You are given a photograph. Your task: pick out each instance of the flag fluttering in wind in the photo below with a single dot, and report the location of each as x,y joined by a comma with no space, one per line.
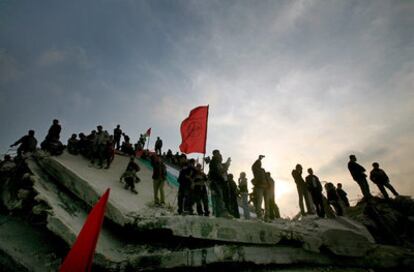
80,257
194,131
148,133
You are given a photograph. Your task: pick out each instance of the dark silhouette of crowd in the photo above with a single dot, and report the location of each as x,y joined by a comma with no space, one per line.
226,195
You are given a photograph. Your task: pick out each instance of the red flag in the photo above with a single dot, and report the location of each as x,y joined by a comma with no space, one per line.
80,257
148,133
194,131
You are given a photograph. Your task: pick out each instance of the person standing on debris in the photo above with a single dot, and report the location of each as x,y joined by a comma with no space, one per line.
333,198
260,187
99,146
270,196
159,175
51,142
27,143
303,192
73,145
130,175
315,188
117,137
218,179
109,153
233,206
54,131
358,174
244,194
342,195
185,179
380,178
199,190
158,146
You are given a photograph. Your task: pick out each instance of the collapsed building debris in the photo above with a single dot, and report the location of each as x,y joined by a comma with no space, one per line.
136,236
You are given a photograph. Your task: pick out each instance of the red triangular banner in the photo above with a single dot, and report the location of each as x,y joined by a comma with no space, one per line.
194,131
80,257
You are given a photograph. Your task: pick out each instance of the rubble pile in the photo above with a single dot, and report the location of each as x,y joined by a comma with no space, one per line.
45,200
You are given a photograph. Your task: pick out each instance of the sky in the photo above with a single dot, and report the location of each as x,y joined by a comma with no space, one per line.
305,81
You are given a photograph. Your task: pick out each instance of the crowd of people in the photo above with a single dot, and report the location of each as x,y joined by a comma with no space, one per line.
195,186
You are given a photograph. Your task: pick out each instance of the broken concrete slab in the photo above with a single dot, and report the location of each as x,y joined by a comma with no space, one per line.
350,239
277,255
88,183
66,216
26,248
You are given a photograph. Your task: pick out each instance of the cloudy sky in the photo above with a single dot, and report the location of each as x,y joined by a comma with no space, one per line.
305,82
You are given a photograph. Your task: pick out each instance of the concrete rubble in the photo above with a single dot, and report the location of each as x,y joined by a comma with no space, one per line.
137,236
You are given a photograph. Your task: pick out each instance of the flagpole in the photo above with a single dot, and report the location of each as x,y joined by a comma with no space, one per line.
149,138
205,137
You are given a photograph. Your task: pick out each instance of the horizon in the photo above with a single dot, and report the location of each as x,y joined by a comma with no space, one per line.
304,82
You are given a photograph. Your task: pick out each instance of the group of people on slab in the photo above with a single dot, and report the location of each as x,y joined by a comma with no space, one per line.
195,186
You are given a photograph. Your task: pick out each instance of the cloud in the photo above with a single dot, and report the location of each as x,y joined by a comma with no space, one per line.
75,55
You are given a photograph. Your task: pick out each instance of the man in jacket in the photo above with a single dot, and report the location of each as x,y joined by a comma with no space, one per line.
27,143
358,174
303,192
260,187
158,146
185,180
380,178
159,176
117,137
218,177
315,188
342,194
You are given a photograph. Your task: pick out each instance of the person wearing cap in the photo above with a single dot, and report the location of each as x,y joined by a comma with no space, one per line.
380,178
358,174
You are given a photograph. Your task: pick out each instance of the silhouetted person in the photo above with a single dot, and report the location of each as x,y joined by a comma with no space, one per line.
185,180
233,206
54,131
199,191
130,176
358,174
142,140
51,142
109,153
126,146
27,143
302,190
158,146
260,186
315,188
159,175
99,146
244,194
117,137
218,177
380,178
73,145
333,198
342,195
270,196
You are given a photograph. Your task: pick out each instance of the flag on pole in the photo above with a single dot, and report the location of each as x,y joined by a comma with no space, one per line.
80,257
148,133
194,131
